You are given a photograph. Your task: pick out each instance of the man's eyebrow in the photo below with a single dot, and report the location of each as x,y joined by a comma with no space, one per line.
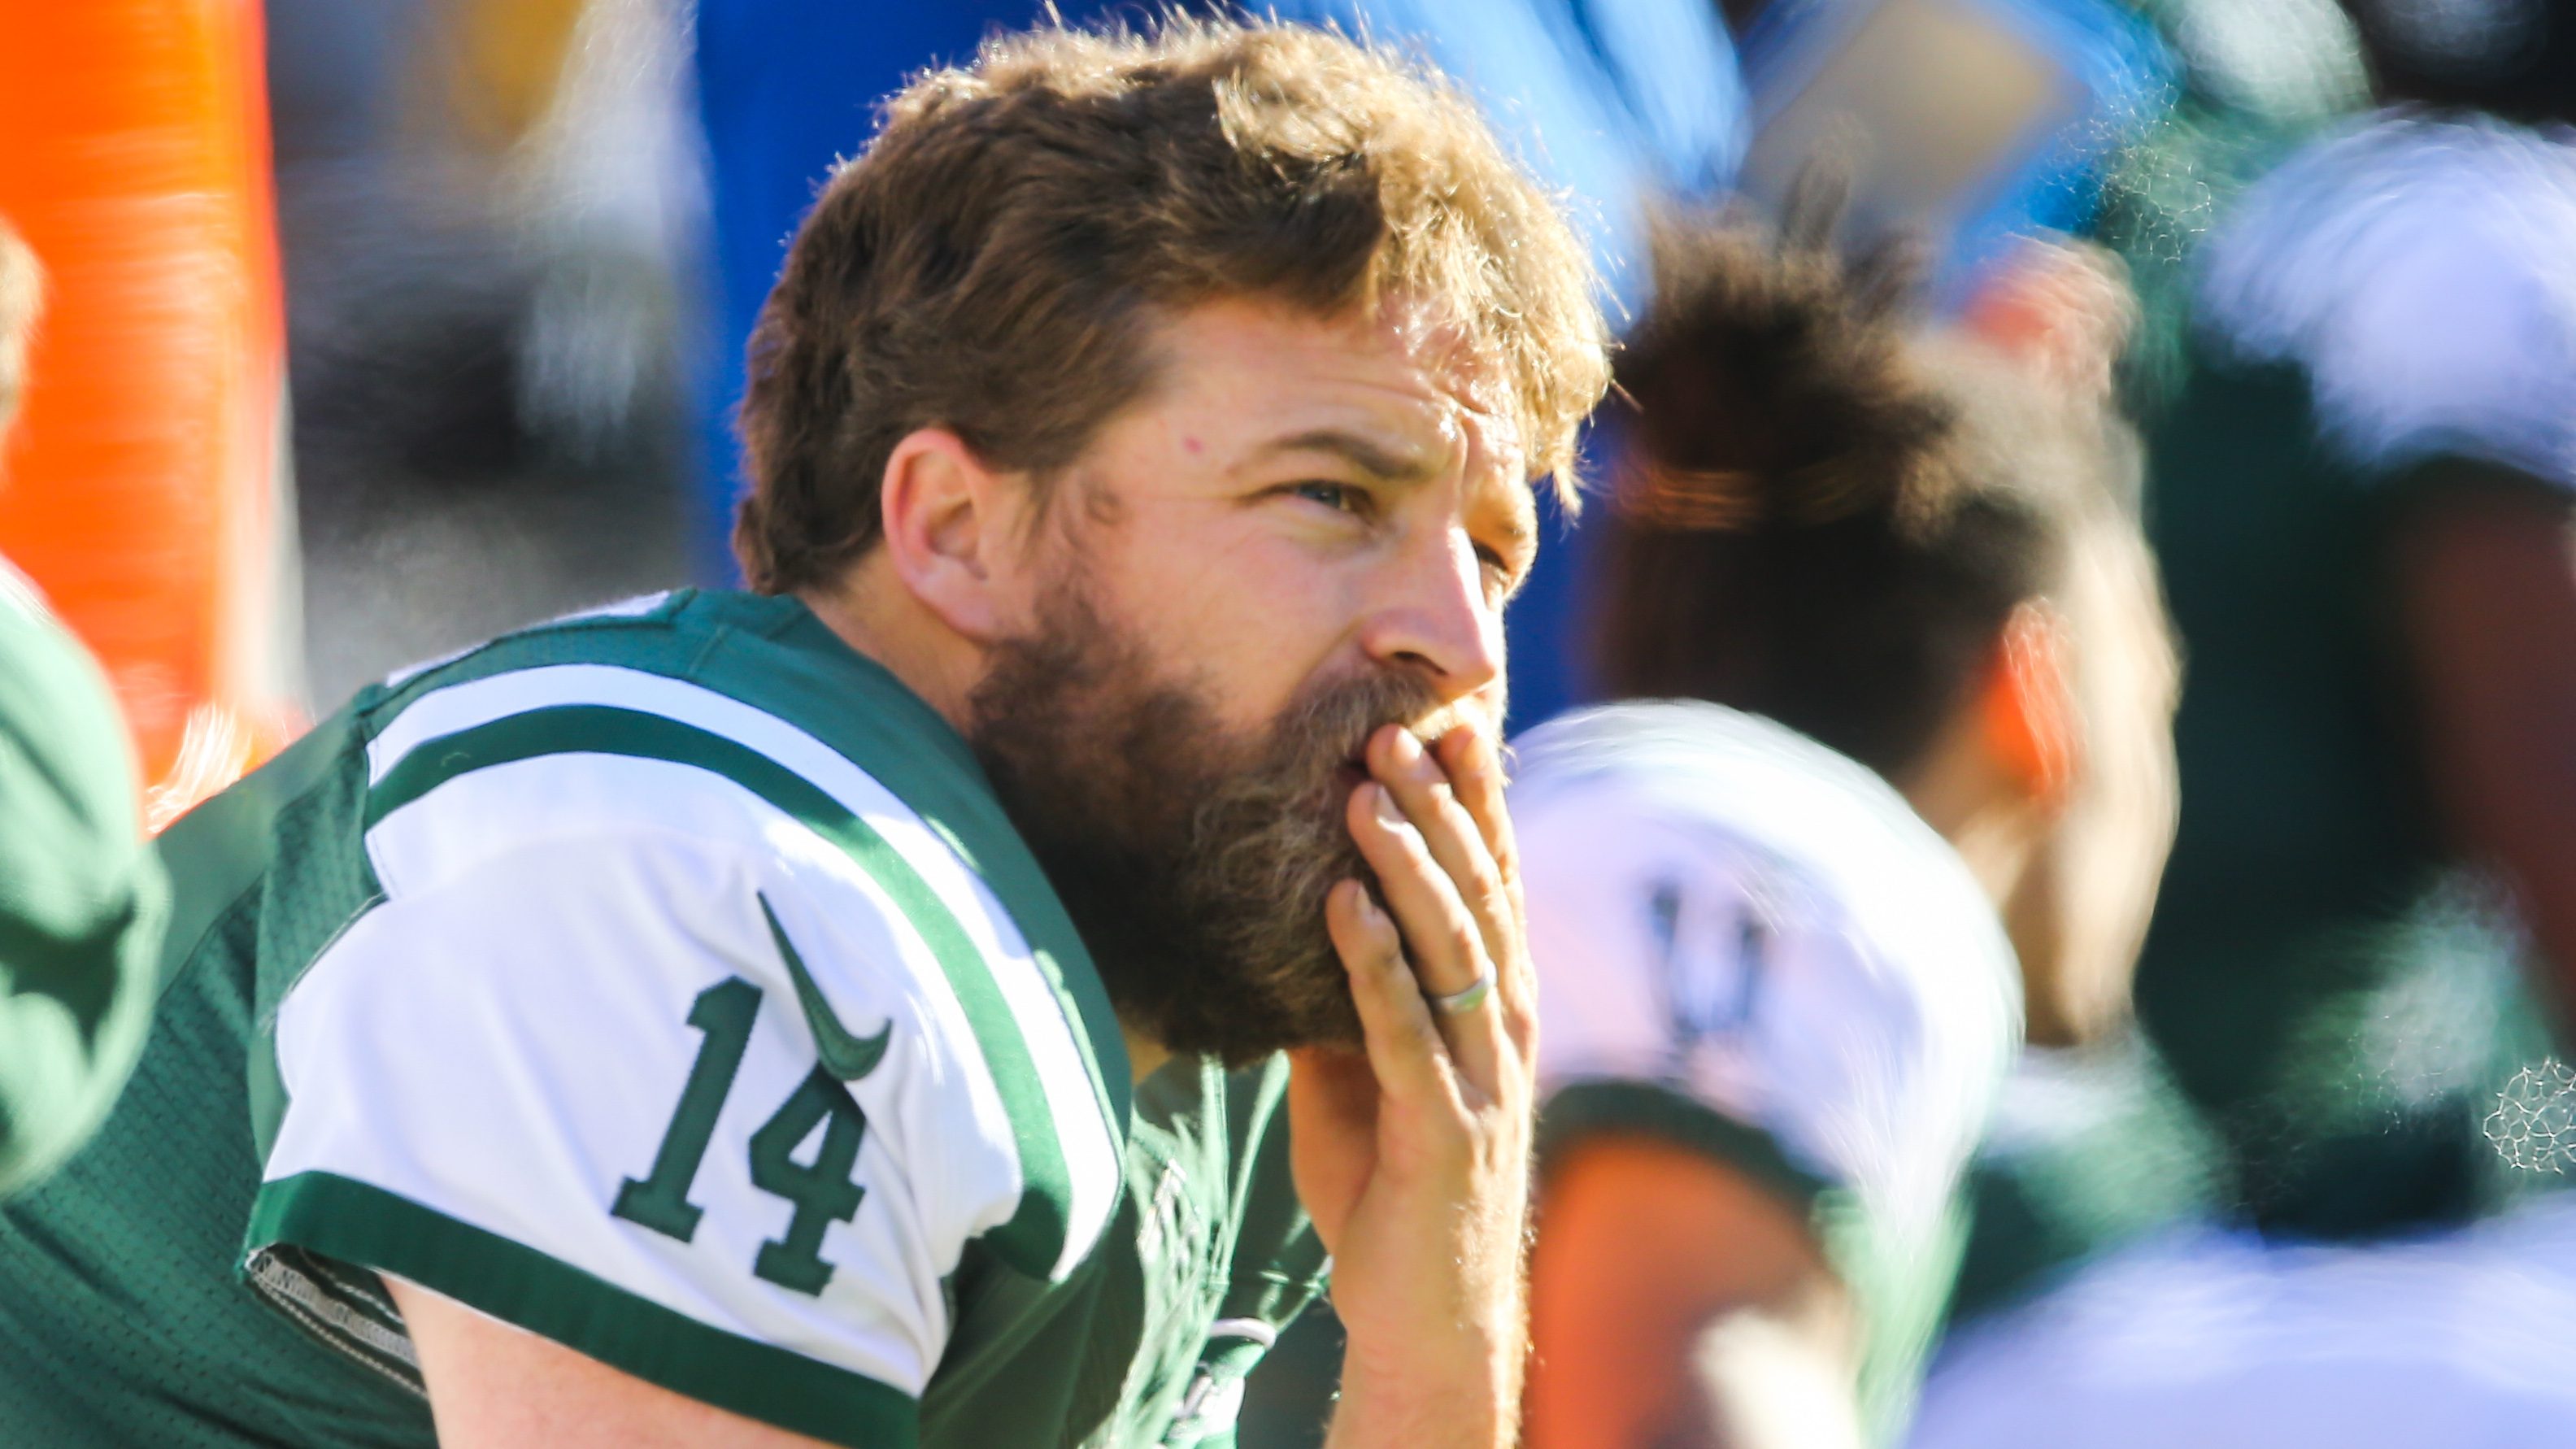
1379,461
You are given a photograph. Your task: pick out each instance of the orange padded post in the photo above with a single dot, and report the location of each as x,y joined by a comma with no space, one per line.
142,488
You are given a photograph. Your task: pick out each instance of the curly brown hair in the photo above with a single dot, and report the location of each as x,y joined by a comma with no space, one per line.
994,261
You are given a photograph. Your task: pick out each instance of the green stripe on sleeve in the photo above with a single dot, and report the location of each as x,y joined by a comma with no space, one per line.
1631,1107
353,1222
775,656
1033,1240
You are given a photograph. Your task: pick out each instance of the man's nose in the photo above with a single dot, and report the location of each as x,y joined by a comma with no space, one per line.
1432,619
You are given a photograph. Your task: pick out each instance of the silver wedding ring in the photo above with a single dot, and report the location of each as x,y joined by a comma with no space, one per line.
1459,1003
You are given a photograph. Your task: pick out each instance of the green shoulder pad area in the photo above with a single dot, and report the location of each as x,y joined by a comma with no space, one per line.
772,653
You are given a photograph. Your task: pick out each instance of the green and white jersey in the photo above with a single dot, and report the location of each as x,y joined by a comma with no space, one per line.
666,982
81,898
1750,945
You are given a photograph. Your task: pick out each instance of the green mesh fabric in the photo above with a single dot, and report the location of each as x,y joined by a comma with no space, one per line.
123,1320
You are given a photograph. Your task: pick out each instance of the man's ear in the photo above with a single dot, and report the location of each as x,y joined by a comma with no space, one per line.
945,531
2027,714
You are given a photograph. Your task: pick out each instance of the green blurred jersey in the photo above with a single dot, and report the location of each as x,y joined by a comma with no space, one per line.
82,902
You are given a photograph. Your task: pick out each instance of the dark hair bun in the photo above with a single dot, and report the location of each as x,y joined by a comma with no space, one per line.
1824,512
1771,385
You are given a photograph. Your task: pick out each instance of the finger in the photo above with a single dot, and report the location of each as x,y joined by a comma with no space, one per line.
1456,842
1474,765
1438,936
1403,1043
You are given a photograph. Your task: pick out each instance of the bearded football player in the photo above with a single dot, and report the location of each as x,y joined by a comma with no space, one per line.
871,1009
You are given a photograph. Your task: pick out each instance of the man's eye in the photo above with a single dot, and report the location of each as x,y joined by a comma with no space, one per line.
1340,497
1498,573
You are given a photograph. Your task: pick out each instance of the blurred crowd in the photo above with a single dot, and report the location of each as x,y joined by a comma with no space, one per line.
2047,764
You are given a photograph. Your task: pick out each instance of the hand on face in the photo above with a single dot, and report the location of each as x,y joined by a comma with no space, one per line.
1414,1157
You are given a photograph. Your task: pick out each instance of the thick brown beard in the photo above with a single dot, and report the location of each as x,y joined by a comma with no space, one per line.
1194,861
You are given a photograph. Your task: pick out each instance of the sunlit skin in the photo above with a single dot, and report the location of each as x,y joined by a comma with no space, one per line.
1299,500
1311,502
1623,1293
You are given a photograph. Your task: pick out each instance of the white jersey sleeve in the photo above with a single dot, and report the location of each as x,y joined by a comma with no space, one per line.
1841,1011
1750,945
1682,961
2416,268
705,1111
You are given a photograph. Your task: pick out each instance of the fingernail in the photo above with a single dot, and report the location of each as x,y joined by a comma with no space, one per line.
1407,749
1369,914
1469,746
1389,814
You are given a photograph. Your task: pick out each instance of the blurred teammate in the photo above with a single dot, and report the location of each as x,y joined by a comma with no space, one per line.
2362,494
806,1016
82,902
1899,694
2363,500
2221,1340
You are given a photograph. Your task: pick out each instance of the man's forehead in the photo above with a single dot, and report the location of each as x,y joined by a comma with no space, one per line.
1399,362
1487,414
1395,394
1431,340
